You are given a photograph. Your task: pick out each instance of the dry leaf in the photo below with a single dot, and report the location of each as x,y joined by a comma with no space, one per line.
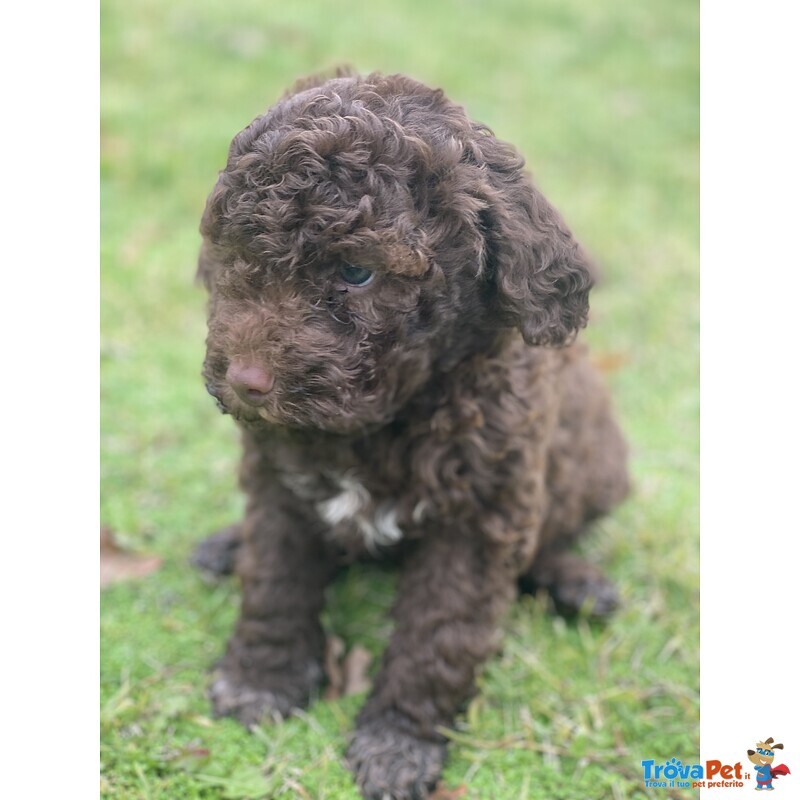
347,674
334,649
355,667
117,564
443,793
190,758
609,363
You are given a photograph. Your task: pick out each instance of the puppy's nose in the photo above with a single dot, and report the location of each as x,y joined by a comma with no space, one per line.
250,382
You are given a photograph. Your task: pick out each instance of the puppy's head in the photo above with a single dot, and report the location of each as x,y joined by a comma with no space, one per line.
364,237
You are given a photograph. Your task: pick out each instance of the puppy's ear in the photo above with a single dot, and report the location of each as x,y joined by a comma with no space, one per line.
207,264
541,275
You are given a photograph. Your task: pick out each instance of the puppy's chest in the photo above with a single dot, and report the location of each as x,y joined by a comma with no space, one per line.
352,506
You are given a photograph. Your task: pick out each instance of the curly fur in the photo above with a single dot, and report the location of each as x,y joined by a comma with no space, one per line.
441,414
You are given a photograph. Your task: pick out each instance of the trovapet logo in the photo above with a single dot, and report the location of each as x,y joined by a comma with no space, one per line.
674,774
715,773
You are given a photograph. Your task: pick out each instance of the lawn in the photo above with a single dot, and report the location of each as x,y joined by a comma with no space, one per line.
602,98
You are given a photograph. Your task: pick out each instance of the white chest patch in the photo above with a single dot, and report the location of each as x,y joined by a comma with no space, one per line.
378,525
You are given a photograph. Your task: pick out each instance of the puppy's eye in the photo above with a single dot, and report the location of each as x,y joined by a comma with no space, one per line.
355,276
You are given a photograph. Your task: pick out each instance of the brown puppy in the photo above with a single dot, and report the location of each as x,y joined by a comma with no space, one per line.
391,309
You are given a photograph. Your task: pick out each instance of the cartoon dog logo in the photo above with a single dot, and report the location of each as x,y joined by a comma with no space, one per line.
762,757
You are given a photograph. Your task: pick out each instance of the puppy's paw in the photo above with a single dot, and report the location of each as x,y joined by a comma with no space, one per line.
264,701
575,585
597,597
216,555
391,764
246,703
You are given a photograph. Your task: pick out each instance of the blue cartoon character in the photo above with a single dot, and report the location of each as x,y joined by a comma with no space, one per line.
762,757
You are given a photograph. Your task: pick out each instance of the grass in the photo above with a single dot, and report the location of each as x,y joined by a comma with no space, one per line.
603,100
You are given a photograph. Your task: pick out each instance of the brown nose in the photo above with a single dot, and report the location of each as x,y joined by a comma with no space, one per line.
251,383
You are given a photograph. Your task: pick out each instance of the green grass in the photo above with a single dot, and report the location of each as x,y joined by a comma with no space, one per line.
603,100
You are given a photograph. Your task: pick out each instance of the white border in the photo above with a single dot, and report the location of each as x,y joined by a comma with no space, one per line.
750,398
49,404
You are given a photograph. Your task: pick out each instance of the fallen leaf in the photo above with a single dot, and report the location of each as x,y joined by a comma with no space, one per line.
334,650
347,673
443,793
609,363
190,758
355,667
117,564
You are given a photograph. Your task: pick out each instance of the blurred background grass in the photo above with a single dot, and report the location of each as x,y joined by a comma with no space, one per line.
602,98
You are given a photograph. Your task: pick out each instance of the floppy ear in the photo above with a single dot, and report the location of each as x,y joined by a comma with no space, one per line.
541,275
205,266
208,262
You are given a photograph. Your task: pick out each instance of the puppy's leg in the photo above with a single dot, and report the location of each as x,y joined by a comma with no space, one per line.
587,477
216,554
450,595
274,659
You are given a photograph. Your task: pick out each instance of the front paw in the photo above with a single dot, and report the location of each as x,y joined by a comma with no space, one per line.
271,699
247,703
575,585
216,555
391,764
586,591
